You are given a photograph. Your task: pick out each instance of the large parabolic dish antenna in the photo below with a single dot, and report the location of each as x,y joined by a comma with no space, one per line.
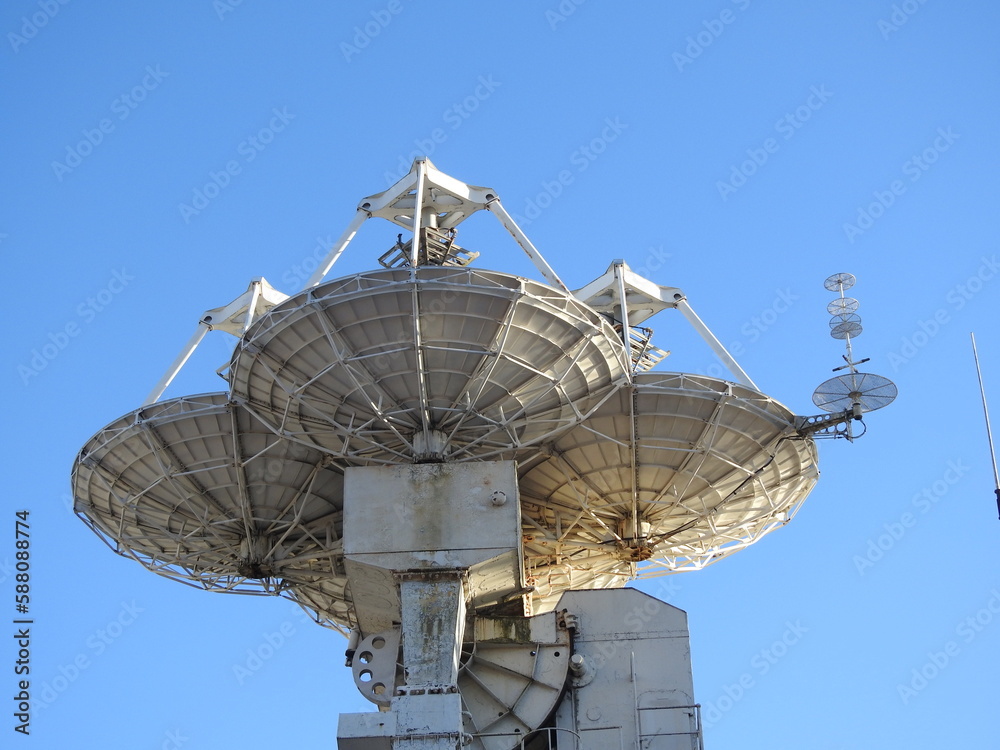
199,490
427,364
673,473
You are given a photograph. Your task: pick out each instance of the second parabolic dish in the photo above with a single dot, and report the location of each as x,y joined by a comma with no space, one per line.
679,470
199,490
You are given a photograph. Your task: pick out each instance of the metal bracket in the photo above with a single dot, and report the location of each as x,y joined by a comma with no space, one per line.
234,318
629,298
427,197
374,666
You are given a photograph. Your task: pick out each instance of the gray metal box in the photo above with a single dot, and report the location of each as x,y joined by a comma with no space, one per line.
431,515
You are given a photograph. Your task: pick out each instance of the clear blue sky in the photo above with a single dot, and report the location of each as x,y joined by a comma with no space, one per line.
742,151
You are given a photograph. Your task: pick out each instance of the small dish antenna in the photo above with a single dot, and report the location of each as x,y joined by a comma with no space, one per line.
854,393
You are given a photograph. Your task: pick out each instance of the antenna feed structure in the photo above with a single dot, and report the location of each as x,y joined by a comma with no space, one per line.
848,397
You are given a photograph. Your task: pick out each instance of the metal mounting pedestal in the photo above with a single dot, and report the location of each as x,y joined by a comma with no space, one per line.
422,543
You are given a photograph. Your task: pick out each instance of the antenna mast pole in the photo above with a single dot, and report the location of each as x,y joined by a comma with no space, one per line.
989,432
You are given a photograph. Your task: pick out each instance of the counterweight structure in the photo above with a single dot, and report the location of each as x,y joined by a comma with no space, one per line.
459,469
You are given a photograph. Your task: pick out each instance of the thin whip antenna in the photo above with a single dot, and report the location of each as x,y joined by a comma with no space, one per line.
989,432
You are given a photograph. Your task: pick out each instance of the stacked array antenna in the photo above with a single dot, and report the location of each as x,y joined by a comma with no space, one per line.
854,392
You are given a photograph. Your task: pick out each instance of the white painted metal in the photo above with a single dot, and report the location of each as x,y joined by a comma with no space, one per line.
639,691
425,540
522,239
645,299
448,199
513,676
417,722
370,731
196,489
177,364
497,363
426,196
432,624
328,599
860,391
720,351
428,722
337,250
847,396
418,209
710,467
618,269
435,515
374,664
440,517
633,530
629,683
233,318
